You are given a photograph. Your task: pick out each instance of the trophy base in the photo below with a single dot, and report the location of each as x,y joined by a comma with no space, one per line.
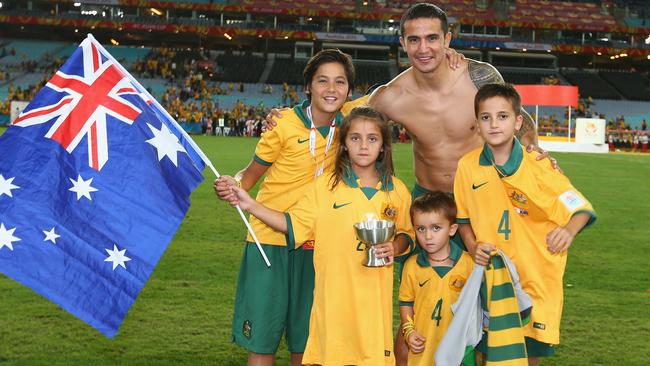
371,259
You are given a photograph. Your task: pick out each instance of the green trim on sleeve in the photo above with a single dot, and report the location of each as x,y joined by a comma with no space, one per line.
592,219
406,303
261,161
461,220
291,240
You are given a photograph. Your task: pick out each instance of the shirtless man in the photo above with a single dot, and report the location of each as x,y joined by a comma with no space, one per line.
435,104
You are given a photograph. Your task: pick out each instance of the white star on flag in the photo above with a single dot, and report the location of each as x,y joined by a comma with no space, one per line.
51,236
166,143
7,237
82,187
6,186
117,257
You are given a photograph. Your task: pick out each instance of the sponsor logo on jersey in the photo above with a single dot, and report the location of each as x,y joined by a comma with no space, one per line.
539,325
423,283
521,211
335,206
477,186
302,141
571,200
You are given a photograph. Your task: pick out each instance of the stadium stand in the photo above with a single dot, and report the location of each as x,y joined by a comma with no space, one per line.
591,85
633,86
287,70
243,68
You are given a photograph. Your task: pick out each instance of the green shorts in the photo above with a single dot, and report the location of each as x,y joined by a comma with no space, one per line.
534,348
273,301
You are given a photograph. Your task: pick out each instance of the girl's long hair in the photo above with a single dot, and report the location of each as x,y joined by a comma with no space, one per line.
343,166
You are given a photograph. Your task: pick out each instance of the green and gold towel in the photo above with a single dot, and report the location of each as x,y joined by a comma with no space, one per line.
506,344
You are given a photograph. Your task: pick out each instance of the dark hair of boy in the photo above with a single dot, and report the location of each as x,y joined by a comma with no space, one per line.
436,201
424,10
327,56
342,165
505,91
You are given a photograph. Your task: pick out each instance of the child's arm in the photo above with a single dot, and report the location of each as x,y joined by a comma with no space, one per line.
560,239
388,249
413,339
479,251
246,177
275,219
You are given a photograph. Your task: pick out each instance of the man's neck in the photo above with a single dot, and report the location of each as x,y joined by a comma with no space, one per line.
431,81
321,118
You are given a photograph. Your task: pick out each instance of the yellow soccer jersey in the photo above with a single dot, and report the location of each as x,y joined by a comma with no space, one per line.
351,319
431,296
285,150
348,106
516,213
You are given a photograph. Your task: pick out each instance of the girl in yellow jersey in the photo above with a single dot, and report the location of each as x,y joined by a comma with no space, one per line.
351,317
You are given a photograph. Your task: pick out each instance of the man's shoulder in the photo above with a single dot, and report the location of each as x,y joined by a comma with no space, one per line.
483,73
391,91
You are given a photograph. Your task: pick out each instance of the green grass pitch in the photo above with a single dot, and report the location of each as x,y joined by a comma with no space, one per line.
183,314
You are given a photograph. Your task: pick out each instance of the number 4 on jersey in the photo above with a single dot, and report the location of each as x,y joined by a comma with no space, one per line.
504,225
436,312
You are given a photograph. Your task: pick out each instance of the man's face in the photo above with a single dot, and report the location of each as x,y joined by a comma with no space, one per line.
425,43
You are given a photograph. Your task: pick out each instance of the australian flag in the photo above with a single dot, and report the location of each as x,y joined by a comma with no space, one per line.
95,178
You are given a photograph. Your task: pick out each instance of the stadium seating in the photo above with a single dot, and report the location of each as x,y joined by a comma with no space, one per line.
246,69
633,86
591,85
27,50
287,70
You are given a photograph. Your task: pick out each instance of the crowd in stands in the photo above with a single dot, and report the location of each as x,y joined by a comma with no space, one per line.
192,89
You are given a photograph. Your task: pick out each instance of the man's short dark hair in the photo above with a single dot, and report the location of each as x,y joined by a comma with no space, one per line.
327,56
424,10
439,202
506,91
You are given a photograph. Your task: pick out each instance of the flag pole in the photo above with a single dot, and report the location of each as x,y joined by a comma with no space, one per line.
205,159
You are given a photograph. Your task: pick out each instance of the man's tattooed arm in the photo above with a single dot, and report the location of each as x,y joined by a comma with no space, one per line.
483,73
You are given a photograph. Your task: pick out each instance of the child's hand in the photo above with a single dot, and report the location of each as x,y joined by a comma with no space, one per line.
386,250
482,254
239,196
559,240
416,342
222,186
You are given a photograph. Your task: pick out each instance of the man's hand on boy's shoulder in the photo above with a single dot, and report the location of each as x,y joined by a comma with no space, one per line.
543,154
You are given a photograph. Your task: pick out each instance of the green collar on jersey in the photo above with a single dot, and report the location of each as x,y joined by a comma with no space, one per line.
351,180
513,163
454,255
299,110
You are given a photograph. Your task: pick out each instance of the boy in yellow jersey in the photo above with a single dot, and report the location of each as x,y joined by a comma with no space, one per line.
276,300
432,279
351,317
509,200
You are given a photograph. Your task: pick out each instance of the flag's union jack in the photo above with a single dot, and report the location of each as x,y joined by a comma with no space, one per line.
84,103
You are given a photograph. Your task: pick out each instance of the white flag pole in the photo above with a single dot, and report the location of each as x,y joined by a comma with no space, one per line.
205,159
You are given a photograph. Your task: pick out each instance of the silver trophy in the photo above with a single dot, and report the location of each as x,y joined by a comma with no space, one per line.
371,233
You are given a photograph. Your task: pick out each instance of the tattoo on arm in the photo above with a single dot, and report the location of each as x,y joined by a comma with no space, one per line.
483,73
527,134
